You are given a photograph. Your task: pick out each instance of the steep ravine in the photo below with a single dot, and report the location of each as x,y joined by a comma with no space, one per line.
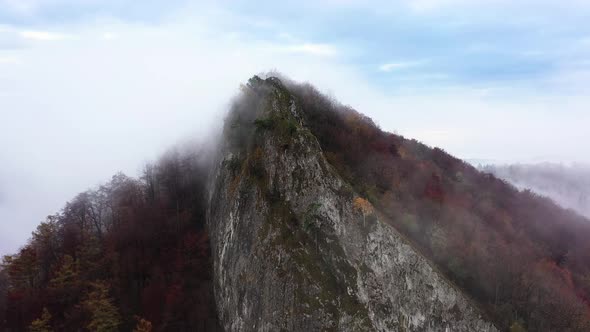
292,253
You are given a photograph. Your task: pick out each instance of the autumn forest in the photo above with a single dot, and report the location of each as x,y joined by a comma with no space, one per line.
133,254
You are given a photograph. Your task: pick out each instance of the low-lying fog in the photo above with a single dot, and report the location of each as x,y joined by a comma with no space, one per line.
566,184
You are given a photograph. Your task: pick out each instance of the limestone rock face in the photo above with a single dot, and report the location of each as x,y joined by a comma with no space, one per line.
292,253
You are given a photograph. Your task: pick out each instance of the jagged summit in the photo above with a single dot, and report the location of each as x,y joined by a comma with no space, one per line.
520,258
296,248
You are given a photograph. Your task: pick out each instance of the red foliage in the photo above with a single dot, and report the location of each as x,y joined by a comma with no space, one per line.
145,239
493,236
433,189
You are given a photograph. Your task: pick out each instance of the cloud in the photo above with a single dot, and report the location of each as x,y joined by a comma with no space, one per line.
116,104
309,48
433,5
9,60
43,35
434,137
387,67
103,107
108,36
286,36
21,7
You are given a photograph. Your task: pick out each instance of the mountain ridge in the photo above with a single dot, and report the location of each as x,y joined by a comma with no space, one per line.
308,216
298,181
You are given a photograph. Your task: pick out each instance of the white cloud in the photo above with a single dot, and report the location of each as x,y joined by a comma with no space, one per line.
22,7
9,60
431,5
309,48
435,137
115,105
43,35
108,36
387,67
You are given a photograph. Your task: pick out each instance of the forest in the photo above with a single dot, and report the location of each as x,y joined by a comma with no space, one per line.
130,255
523,259
133,254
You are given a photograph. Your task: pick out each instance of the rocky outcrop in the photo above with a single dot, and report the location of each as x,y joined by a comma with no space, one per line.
291,251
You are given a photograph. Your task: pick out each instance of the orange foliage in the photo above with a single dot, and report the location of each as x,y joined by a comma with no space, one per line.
363,206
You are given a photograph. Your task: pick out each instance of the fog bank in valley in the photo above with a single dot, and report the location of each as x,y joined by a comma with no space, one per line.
567,185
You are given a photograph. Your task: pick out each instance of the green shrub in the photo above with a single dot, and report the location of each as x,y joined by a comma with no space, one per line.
264,124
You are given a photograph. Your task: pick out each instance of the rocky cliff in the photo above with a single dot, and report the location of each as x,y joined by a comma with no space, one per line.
293,252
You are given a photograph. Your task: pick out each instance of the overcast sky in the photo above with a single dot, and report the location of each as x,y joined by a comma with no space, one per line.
92,87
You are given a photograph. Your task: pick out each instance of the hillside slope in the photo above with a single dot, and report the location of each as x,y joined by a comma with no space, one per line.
521,257
132,253
295,248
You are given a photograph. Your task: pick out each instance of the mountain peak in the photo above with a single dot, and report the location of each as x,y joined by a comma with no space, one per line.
294,250
308,217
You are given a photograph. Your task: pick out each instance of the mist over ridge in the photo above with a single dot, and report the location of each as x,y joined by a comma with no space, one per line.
342,166
567,184
103,87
